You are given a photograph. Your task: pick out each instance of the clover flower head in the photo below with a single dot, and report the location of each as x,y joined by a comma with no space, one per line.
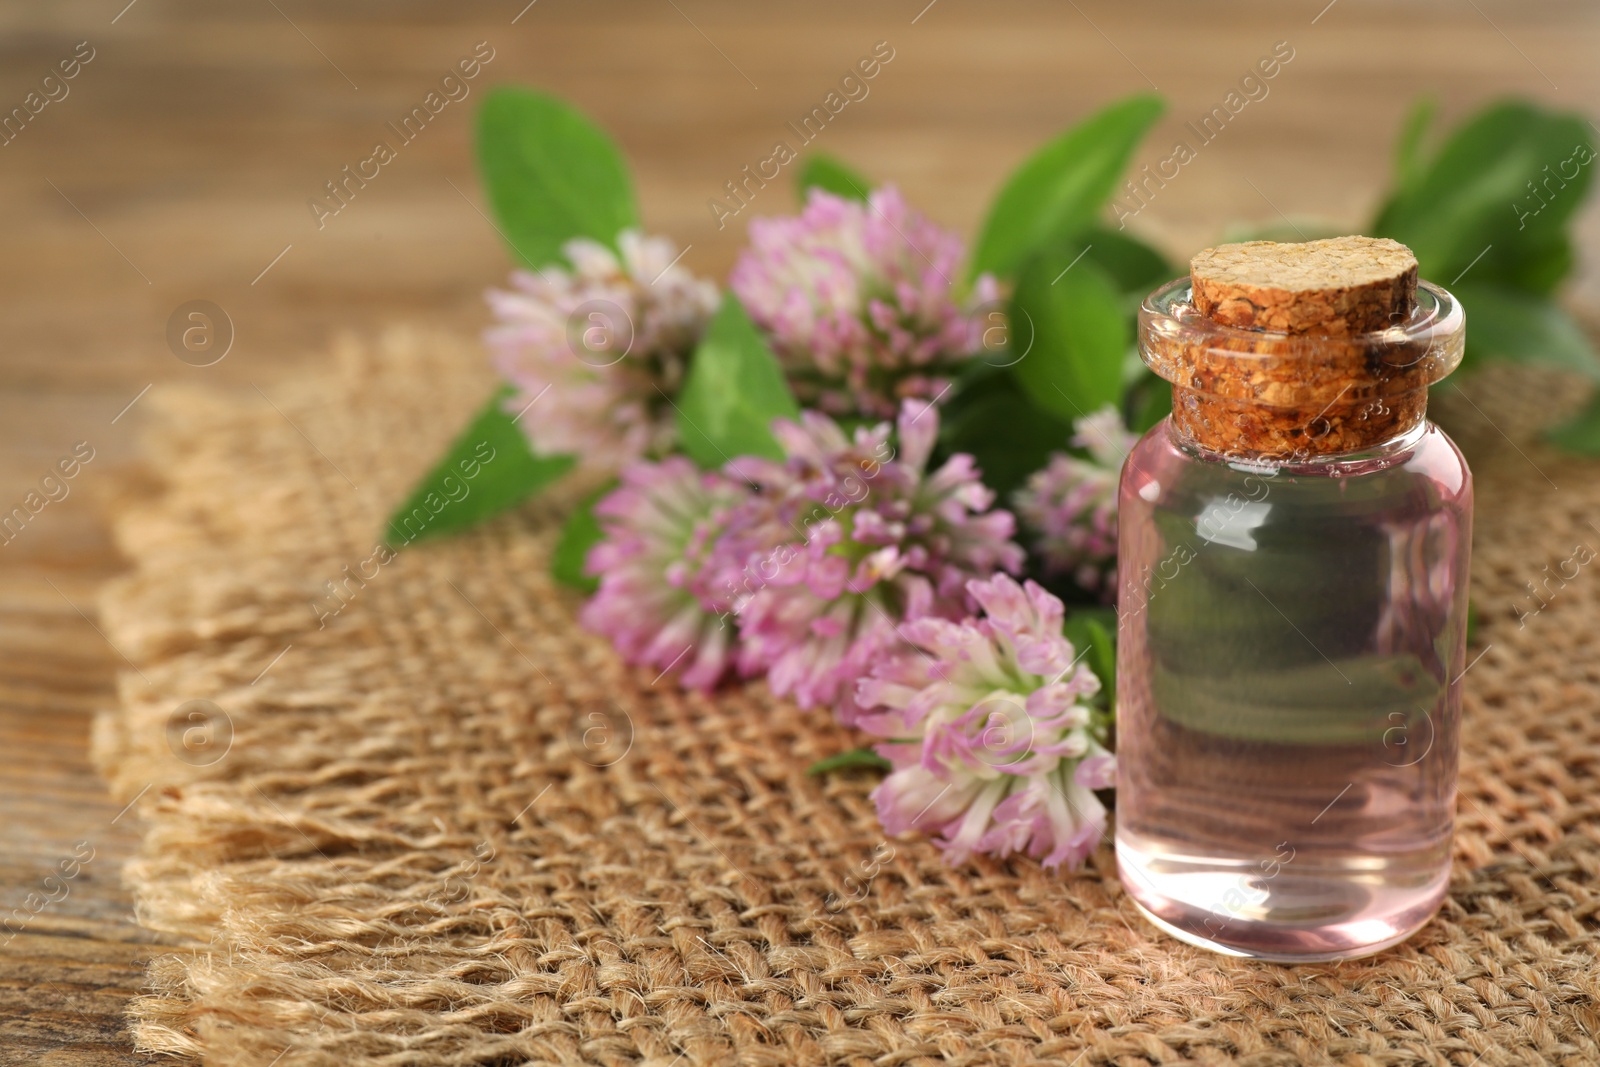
1070,507
874,539
861,303
660,598
595,352
994,743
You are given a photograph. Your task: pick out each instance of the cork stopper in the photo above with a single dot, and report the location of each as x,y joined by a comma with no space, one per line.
1295,351
1336,287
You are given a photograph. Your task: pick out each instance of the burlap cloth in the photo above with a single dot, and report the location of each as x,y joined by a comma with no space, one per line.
411,853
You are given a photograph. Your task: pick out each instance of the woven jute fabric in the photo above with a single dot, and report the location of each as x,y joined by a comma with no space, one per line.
445,826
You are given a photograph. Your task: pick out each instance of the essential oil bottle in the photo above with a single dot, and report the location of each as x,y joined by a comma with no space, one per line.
1292,562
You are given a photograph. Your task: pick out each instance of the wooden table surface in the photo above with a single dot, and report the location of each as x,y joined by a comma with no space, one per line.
179,166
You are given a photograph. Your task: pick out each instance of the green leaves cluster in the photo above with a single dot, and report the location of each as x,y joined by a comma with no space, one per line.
1076,286
1488,214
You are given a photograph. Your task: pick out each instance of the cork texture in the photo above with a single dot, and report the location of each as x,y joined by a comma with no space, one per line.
1246,430
453,830
1334,287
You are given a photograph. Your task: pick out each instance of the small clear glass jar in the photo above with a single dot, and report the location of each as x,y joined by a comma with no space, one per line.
1292,623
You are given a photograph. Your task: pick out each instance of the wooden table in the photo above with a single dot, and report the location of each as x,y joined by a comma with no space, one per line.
180,163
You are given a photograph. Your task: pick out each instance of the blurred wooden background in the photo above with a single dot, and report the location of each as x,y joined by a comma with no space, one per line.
180,163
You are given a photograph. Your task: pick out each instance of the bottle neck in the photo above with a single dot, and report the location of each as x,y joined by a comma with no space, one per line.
1369,454
1260,396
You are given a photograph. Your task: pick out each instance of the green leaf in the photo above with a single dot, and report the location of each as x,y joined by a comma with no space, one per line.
1131,264
488,469
991,419
1537,264
734,390
1581,433
552,175
846,761
1072,335
822,171
579,533
1473,207
1408,162
1062,187
1507,325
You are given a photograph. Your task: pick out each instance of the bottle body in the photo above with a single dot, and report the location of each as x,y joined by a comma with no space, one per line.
1291,645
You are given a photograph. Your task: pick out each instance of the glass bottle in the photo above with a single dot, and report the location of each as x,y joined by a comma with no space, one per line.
1292,622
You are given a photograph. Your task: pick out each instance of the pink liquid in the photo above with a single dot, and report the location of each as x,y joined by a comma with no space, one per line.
1289,672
